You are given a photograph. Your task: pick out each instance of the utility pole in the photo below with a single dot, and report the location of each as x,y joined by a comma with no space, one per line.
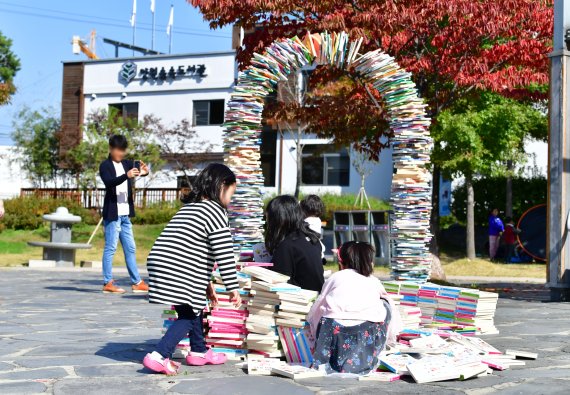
558,200
152,9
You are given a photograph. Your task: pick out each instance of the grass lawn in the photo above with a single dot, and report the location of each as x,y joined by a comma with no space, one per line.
459,266
382,271
14,250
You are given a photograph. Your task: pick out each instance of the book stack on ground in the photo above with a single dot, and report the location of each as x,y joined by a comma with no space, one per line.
244,280
411,316
409,292
292,324
477,308
452,309
262,330
294,306
392,287
446,304
407,304
427,302
226,325
183,348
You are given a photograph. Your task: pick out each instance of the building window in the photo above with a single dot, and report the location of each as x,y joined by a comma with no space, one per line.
268,156
126,111
208,112
324,165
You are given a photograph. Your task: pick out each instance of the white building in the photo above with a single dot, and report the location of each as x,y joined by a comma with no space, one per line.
11,177
196,87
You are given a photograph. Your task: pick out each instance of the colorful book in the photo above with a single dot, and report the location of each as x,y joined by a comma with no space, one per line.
296,372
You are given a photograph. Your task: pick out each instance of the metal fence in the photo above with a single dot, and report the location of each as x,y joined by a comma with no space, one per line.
93,198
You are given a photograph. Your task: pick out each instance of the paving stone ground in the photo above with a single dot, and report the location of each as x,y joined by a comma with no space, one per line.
59,334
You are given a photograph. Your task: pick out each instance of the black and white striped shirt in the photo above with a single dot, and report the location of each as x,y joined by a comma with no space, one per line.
181,261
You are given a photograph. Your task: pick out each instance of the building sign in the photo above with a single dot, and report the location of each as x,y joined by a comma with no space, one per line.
128,72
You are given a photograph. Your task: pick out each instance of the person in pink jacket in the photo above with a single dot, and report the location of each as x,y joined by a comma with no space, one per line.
354,317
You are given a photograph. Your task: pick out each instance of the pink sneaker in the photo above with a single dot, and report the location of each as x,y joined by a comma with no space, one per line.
209,358
158,364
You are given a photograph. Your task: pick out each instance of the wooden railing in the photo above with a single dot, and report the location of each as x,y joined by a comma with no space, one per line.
93,198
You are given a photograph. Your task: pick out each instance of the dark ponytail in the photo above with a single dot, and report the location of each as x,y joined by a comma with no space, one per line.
358,256
284,217
209,183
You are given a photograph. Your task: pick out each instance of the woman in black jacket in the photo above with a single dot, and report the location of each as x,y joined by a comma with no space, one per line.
296,249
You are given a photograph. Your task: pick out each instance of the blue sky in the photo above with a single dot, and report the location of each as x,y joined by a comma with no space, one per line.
42,30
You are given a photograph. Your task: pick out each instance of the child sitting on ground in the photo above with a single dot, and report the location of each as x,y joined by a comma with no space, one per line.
295,248
354,317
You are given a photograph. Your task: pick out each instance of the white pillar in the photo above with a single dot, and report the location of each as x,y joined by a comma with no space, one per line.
558,241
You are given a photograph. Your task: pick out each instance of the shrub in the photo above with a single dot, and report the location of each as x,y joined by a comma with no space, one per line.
156,214
343,202
26,212
490,192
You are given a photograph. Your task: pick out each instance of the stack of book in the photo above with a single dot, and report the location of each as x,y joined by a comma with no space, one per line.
407,304
241,154
411,191
392,287
477,308
412,144
427,302
294,307
446,303
262,329
291,320
450,309
409,292
226,325
411,316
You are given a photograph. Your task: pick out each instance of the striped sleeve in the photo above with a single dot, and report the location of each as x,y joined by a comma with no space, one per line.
222,249
221,244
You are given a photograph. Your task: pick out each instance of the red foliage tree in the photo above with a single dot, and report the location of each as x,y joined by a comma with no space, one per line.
452,47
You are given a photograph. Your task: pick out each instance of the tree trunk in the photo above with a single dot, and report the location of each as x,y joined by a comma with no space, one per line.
434,220
509,192
470,219
299,166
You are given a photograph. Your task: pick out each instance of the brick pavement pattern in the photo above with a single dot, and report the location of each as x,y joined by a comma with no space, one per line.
59,334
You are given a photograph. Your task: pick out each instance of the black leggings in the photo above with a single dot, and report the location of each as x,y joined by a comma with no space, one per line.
188,324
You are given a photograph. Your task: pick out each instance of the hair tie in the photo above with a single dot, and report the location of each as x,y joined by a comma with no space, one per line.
338,254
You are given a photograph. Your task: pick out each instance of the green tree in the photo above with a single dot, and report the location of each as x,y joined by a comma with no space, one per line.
478,137
35,138
528,191
9,66
83,160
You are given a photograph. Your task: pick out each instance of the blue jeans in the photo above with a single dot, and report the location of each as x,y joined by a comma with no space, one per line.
121,229
188,324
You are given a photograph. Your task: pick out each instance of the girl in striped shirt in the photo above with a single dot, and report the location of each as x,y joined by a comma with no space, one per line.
180,266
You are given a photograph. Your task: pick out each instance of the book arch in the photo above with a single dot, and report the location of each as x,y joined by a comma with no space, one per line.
411,142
